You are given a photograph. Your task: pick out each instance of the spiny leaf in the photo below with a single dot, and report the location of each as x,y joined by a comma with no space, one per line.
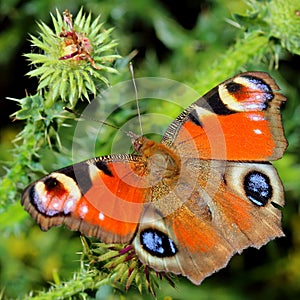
89,82
96,26
36,58
46,30
44,83
87,24
57,22
79,17
64,84
45,73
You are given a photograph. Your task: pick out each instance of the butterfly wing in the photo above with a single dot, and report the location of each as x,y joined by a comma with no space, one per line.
101,197
237,120
229,210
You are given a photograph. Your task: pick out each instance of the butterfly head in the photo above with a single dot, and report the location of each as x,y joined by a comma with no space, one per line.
139,142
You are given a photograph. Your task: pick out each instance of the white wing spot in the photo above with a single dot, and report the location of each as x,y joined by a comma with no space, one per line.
101,216
256,117
83,210
257,131
55,205
69,206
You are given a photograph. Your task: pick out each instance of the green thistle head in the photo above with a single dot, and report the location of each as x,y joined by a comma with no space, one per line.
74,57
121,265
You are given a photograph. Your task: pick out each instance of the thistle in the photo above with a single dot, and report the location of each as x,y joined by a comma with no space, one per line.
74,57
121,264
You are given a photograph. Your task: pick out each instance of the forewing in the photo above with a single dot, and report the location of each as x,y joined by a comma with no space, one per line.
101,197
238,120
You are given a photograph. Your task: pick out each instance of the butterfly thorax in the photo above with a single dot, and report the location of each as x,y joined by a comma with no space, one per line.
163,164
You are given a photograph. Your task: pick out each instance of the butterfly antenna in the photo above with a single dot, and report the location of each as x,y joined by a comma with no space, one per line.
82,116
136,96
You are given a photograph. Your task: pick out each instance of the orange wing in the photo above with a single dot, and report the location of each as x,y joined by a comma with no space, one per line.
101,197
238,120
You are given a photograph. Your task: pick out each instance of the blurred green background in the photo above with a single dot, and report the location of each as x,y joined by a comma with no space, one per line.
176,40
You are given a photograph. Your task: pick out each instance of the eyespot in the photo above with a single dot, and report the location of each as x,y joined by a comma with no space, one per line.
246,93
54,195
157,243
258,188
234,87
257,183
51,183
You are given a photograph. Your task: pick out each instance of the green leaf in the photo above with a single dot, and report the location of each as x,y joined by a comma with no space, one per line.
89,82
54,89
73,89
46,30
38,43
46,72
57,75
44,83
96,26
87,24
64,85
57,22
85,92
78,20
36,72
36,58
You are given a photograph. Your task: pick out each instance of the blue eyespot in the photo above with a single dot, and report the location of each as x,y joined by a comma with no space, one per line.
157,243
258,188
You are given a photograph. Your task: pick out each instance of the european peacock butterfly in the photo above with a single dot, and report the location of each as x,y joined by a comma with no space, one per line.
189,203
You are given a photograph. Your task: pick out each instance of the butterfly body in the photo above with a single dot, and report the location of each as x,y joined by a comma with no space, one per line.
189,203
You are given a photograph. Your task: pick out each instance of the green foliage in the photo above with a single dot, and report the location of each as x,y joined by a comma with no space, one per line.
270,28
275,19
62,82
33,261
264,37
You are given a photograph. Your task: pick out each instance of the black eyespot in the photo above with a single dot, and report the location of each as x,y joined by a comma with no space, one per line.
51,183
258,188
233,87
157,243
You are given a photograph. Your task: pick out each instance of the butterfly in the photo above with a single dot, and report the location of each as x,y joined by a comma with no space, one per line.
190,202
